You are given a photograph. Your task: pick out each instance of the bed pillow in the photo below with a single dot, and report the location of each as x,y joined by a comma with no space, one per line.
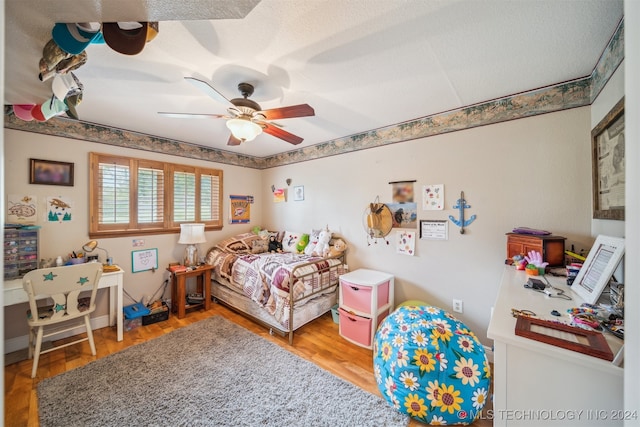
290,241
240,244
259,246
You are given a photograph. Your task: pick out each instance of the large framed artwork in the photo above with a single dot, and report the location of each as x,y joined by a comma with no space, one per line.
608,159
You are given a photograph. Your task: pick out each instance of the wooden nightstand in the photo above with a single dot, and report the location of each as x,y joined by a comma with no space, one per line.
179,303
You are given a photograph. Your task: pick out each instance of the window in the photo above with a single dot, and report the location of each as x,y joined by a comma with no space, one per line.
135,196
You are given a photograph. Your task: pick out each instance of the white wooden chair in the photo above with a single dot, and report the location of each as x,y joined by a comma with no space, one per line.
63,285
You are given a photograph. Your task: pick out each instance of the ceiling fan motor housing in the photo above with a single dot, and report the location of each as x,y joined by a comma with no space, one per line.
246,89
246,103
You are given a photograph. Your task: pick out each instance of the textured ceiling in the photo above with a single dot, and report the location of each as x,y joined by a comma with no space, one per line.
361,64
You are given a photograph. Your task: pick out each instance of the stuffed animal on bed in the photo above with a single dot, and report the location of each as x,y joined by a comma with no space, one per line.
274,244
313,241
338,247
302,243
322,248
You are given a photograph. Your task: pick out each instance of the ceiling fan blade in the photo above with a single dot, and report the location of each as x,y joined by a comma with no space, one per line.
282,134
208,89
302,110
233,140
193,115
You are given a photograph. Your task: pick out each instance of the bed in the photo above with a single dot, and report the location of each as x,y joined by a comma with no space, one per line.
280,290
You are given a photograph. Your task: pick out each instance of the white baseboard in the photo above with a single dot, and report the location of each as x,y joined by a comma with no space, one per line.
22,342
489,352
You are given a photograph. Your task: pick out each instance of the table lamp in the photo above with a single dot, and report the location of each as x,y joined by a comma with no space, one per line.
93,245
190,235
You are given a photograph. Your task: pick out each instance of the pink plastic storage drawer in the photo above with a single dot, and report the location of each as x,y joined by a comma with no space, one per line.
358,297
355,328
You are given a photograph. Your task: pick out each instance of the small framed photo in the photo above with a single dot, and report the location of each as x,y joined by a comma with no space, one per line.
434,229
50,172
298,193
598,268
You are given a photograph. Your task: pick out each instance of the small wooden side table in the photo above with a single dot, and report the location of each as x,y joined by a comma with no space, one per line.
179,303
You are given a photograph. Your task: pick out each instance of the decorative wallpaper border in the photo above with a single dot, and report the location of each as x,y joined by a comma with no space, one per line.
563,96
609,62
73,129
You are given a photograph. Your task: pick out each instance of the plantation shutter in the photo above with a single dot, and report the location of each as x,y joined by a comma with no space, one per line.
131,196
209,198
184,196
113,200
150,196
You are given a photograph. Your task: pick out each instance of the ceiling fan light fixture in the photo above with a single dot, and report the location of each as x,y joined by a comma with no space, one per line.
244,129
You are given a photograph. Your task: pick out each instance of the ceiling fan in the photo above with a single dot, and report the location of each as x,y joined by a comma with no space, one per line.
245,118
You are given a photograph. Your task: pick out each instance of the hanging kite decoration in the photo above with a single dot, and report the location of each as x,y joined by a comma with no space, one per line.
461,205
65,52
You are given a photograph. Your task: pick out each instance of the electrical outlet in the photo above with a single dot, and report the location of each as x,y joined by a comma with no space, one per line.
457,305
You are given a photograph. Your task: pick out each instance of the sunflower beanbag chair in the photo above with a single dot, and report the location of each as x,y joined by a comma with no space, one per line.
430,366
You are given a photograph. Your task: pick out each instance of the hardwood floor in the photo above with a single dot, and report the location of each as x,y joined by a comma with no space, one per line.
318,342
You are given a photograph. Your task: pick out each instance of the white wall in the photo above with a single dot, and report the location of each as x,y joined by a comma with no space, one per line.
62,238
533,172
632,200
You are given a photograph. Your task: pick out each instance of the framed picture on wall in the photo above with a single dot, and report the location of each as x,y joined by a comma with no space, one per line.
608,159
143,260
50,172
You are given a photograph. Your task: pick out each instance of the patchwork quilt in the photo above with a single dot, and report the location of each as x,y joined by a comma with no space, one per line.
266,279
269,278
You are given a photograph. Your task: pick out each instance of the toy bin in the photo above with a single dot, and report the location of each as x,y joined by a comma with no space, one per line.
335,314
157,315
131,324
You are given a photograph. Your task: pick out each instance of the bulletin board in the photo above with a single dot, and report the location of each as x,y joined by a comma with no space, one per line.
144,260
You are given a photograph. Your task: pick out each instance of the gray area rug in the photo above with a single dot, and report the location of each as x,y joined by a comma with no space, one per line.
210,373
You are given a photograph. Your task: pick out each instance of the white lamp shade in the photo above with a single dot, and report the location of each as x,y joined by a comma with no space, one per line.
243,129
191,234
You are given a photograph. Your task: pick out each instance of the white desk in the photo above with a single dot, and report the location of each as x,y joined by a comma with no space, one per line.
541,384
14,294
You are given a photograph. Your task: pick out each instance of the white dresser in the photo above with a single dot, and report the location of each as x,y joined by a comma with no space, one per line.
541,384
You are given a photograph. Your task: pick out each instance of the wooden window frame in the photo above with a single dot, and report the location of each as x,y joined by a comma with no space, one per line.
133,227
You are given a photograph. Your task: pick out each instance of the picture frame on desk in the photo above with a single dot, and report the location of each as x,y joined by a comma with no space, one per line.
608,159
572,338
603,259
